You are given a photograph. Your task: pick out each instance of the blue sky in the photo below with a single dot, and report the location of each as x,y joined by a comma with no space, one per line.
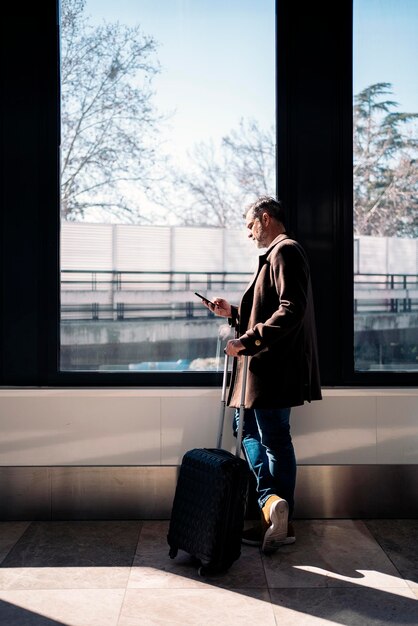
385,36
217,61
217,57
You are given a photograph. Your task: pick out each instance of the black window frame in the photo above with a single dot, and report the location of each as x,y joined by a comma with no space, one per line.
314,173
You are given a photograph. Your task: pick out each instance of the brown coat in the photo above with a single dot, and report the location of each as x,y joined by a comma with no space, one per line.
275,322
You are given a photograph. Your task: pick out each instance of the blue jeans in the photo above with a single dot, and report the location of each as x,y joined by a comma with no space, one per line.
268,448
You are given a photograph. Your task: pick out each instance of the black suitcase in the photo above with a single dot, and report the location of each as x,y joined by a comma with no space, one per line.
207,518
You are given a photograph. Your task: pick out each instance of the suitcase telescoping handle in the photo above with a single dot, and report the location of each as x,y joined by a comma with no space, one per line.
241,406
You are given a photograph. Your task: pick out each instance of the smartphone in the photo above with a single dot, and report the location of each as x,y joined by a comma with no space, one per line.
199,295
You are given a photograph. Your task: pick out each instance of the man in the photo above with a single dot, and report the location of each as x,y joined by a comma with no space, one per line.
275,326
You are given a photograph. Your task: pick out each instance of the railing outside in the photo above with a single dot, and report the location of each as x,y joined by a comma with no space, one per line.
118,295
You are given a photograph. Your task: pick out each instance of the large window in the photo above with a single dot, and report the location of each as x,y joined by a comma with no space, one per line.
164,106
168,131
385,185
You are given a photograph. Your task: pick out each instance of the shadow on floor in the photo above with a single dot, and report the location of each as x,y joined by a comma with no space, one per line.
11,615
349,572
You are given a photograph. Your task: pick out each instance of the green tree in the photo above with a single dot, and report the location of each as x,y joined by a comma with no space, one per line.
108,122
385,167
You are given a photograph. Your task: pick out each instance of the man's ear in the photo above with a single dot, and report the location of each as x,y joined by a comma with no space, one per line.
265,218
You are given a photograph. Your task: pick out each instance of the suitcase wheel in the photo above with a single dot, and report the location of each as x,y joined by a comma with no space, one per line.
212,570
173,553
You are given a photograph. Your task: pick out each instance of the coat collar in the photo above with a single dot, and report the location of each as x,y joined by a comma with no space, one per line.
274,243
262,259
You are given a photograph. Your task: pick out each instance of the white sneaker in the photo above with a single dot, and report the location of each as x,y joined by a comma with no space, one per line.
276,534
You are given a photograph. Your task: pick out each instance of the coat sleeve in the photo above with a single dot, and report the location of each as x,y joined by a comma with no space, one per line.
290,277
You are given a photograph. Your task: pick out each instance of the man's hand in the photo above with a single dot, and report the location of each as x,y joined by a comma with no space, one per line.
234,347
220,307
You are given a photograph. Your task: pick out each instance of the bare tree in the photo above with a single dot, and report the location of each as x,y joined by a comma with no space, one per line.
109,124
252,157
222,180
203,194
385,166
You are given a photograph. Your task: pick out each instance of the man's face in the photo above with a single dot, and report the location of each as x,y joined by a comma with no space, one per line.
257,230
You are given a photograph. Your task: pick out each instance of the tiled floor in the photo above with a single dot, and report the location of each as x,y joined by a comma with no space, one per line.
119,574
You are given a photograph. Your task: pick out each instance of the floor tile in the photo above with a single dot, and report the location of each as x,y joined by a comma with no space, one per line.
399,540
61,608
153,568
341,572
331,553
196,607
62,555
64,578
10,533
349,607
75,544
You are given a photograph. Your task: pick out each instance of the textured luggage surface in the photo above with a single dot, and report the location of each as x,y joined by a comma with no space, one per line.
207,517
208,509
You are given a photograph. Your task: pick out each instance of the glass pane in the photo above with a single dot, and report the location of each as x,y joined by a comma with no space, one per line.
385,185
168,132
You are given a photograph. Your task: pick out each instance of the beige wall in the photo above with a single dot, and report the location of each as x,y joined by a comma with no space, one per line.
79,427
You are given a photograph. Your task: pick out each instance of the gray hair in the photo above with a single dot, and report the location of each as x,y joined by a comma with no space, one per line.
267,204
